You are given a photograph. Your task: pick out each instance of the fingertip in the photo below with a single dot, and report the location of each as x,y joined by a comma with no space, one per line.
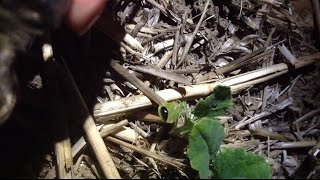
83,14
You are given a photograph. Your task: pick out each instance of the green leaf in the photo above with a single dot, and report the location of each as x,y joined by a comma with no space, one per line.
205,139
238,163
171,111
215,104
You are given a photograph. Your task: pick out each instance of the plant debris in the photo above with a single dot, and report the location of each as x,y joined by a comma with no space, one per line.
140,54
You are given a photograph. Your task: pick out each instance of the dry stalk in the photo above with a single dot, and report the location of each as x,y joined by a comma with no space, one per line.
267,134
252,119
64,159
164,159
190,40
179,78
137,82
164,60
307,116
125,106
93,135
163,10
62,147
175,47
291,145
151,30
240,62
143,43
245,144
76,148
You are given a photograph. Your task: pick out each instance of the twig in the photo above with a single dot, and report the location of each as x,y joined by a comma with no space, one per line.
239,62
140,24
310,128
104,132
143,35
153,146
137,82
185,71
279,106
165,159
278,68
239,133
286,53
277,3
190,40
253,119
64,159
240,12
244,85
175,47
307,116
163,10
160,46
133,42
269,39
138,130
264,98
268,147
210,76
129,49
293,83
245,144
164,60
179,78
89,162
267,134
153,38
290,145
126,134
152,30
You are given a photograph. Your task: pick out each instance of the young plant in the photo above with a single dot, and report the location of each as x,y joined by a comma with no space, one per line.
205,135
240,164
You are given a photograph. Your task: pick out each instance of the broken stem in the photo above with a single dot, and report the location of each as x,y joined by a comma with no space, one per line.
125,106
137,82
190,40
165,159
93,136
104,132
307,116
290,145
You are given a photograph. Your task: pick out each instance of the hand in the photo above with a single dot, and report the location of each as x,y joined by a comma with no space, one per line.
83,14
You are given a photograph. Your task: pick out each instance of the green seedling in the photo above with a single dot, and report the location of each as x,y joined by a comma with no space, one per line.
205,135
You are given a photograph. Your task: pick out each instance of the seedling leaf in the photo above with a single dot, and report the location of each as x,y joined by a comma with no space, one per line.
240,164
215,104
171,111
205,139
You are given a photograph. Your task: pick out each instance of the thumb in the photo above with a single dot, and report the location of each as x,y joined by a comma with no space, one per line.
83,14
